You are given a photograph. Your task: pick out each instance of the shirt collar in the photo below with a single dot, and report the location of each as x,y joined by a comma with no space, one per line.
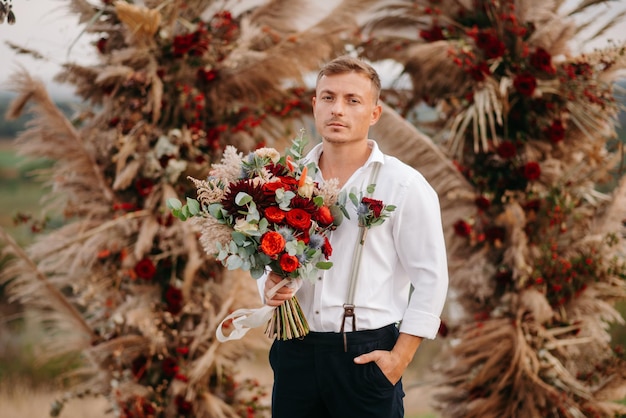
376,156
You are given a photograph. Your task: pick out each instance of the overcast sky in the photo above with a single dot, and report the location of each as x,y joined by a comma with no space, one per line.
48,28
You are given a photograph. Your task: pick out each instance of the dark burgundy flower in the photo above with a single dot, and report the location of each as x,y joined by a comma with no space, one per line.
145,269
304,203
495,234
482,203
433,34
532,205
542,61
376,206
525,83
506,150
490,44
174,299
205,75
169,366
183,406
532,171
556,131
462,228
479,72
101,45
247,186
144,186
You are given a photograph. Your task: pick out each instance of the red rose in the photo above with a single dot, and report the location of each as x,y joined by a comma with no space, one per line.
462,228
299,219
288,262
506,150
542,61
289,183
374,205
270,188
323,216
556,131
532,171
525,83
145,269
272,243
275,214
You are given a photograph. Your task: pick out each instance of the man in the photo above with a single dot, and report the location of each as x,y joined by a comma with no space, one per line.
323,375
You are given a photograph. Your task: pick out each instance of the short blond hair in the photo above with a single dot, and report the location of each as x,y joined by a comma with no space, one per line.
346,64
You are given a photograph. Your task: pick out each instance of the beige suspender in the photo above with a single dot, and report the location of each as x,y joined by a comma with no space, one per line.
348,307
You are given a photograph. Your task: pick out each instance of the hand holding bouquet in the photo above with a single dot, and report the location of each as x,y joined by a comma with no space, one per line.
264,211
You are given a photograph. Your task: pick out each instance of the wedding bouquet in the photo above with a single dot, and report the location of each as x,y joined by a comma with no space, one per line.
261,212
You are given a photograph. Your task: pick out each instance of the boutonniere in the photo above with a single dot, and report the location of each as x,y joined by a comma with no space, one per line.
370,212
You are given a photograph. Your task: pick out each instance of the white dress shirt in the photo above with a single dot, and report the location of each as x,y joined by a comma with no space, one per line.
407,249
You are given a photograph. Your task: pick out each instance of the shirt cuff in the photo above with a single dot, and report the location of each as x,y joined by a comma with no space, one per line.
421,324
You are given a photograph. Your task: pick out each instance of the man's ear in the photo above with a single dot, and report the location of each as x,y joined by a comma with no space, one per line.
376,113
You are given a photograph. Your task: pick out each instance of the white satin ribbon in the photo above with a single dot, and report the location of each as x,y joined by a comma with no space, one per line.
243,320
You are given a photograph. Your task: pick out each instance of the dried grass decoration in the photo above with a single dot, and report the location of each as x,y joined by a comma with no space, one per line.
264,212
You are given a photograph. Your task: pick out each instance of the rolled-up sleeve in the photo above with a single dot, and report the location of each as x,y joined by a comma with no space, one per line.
422,252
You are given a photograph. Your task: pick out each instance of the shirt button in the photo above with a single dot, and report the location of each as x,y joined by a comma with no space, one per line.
319,278
317,312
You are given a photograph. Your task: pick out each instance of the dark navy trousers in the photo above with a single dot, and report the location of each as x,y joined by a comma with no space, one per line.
315,378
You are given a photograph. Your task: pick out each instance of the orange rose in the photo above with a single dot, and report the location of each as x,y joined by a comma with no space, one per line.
272,243
274,214
288,262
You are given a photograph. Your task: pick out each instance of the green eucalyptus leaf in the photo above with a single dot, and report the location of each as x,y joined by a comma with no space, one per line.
194,206
323,265
173,204
243,199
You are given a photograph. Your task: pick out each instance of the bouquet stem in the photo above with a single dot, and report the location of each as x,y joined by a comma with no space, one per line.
287,321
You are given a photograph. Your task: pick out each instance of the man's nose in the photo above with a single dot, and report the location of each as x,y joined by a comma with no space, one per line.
337,108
